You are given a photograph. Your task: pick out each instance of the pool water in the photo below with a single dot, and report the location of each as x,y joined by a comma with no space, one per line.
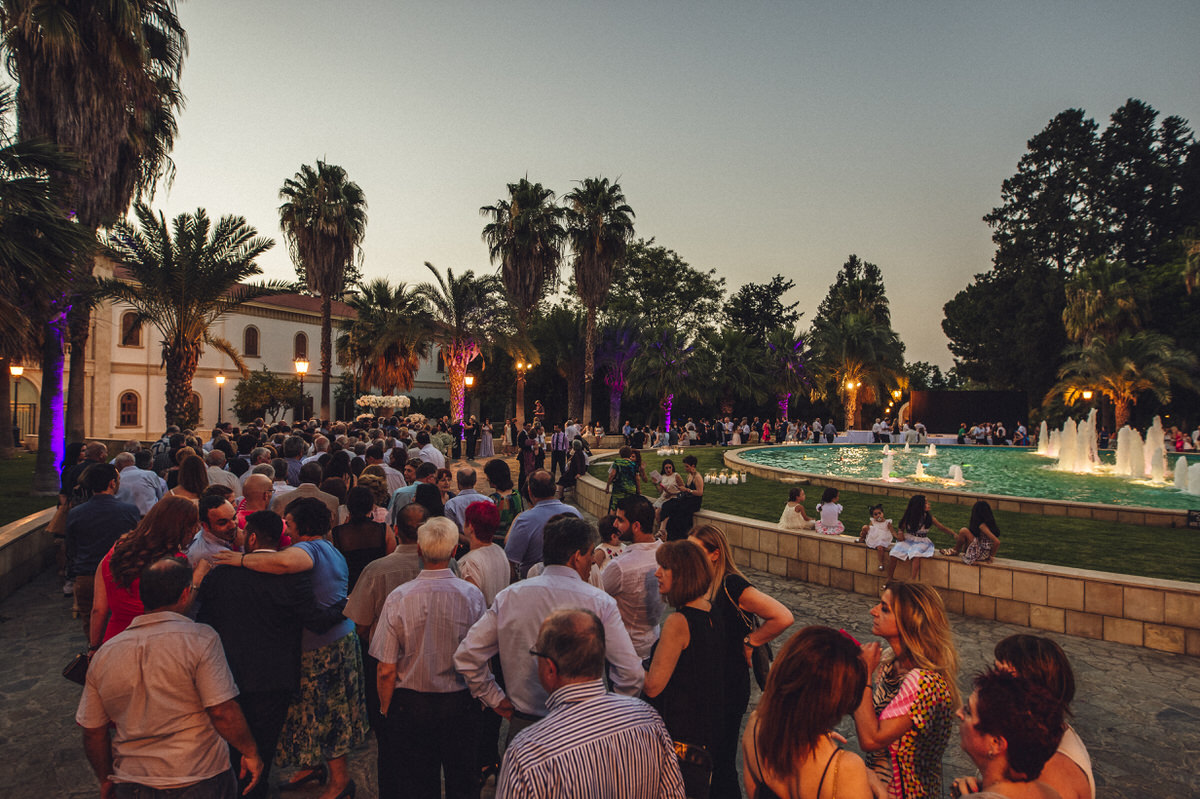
1008,471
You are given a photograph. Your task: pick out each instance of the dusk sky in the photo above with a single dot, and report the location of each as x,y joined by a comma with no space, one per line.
754,138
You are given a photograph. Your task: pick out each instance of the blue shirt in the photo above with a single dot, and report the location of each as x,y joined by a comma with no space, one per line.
330,577
94,526
524,542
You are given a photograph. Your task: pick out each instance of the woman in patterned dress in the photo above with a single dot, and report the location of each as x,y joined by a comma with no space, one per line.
904,720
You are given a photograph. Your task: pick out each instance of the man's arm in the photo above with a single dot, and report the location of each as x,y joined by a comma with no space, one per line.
230,724
471,660
628,676
385,683
98,748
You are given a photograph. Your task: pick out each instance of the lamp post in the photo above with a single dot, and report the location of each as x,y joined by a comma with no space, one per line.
16,371
220,395
521,366
301,365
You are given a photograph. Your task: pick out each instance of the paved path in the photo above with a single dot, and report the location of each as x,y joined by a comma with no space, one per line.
1137,710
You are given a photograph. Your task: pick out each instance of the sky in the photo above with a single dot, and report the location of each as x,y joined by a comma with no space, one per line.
753,138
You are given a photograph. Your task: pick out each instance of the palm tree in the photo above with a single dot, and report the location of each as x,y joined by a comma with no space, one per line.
324,219
616,354
388,337
739,375
1123,368
35,240
101,81
558,335
467,314
854,354
669,366
186,278
1101,300
785,358
599,229
525,238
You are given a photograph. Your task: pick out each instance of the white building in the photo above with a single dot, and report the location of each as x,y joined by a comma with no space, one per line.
125,384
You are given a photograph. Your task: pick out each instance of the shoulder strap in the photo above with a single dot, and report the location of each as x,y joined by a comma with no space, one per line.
828,763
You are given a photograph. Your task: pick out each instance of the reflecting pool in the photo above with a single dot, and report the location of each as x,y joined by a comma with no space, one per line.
1008,471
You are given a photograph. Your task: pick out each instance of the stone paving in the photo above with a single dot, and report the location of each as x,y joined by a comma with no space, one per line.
1137,710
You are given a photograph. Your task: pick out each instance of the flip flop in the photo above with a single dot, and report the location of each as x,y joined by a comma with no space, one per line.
949,551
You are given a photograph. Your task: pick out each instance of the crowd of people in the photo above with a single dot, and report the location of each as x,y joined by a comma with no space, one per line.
273,596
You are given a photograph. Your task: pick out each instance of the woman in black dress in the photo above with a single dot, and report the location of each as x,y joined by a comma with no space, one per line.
686,673
677,513
735,603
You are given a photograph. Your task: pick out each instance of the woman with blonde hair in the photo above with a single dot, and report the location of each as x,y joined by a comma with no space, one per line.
788,750
164,532
904,720
736,603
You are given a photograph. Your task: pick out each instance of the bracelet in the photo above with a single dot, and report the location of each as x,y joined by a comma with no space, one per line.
242,562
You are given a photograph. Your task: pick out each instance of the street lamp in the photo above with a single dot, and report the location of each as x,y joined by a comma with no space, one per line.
521,367
220,394
16,371
301,365
1087,395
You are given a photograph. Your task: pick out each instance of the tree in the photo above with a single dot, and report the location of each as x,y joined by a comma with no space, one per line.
757,308
35,240
525,238
466,315
184,279
1101,300
925,376
599,229
264,393
324,219
784,360
616,354
667,366
1124,367
388,337
738,375
657,284
559,335
100,81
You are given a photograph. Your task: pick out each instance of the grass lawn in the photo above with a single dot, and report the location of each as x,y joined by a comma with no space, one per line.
17,499
1161,552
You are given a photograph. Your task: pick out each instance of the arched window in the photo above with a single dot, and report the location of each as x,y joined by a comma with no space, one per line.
127,406
300,348
250,342
131,333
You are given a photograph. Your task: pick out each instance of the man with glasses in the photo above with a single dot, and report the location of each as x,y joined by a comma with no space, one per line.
572,751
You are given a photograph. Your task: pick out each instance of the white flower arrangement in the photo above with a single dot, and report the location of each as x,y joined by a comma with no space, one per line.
380,401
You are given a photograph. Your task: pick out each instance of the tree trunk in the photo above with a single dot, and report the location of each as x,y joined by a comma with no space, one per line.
1122,407
181,368
589,365
614,410
851,408
667,402
51,444
79,320
8,446
520,414
575,402
456,369
326,352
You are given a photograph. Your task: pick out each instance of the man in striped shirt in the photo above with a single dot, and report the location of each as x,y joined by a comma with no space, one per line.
592,743
427,709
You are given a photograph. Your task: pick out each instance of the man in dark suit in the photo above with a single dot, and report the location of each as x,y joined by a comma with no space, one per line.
260,618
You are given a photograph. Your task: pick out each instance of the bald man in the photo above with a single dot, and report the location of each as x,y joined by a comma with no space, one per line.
257,492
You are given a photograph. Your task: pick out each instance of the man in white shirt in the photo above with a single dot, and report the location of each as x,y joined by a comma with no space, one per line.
216,471
428,452
511,624
139,487
630,579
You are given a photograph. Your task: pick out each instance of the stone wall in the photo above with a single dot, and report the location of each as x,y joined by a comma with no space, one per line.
26,549
1140,611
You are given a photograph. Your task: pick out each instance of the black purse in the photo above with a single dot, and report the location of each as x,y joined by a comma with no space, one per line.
76,670
761,655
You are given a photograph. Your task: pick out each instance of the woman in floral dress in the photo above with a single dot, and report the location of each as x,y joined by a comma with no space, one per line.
904,720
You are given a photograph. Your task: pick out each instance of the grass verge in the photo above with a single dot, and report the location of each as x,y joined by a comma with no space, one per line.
17,499
1161,552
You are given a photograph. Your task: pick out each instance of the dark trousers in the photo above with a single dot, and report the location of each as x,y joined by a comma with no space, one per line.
726,784
265,712
432,735
558,460
385,763
222,786
471,447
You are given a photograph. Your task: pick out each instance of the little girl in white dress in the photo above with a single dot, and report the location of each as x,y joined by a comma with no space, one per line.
878,534
829,523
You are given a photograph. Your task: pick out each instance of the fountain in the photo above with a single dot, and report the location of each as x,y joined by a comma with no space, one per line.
887,449
1181,474
920,473
887,464
1194,479
956,475
1043,447
932,451
1077,451
906,447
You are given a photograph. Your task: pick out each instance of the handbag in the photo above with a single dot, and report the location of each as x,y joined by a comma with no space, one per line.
76,670
761,655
